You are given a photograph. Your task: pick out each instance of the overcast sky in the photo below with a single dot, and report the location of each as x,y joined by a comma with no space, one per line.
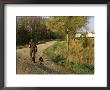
91,24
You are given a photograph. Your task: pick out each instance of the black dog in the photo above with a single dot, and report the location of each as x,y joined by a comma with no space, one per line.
41,60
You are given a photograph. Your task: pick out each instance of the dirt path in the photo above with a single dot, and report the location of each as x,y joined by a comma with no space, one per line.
24,65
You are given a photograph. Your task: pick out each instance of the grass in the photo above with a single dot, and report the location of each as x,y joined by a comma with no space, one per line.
21,46
80,60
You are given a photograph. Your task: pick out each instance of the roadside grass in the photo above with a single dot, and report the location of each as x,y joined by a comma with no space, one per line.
78,59
21,46
40,42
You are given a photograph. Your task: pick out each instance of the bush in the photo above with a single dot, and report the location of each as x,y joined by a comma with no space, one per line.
76,59
85,42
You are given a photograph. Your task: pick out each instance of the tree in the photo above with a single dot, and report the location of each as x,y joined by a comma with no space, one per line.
32,27
68,25
22,34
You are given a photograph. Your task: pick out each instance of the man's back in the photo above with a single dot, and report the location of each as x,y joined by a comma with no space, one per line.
33,50
32,45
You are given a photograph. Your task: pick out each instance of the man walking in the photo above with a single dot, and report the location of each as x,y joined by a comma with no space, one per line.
33,49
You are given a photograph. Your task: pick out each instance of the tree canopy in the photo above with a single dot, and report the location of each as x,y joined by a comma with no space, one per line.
52,27
66,24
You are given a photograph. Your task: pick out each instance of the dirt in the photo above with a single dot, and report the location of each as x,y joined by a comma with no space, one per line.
24,64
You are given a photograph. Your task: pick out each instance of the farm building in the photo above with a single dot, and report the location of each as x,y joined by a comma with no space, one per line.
89,34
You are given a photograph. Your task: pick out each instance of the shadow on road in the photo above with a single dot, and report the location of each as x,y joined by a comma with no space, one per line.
43,68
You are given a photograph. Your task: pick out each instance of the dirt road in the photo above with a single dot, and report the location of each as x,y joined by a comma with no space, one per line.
24,65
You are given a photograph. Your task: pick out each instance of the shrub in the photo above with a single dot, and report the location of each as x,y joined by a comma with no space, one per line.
78,59
85,42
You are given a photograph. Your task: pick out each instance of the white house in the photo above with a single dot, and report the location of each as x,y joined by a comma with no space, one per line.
89,34
78,35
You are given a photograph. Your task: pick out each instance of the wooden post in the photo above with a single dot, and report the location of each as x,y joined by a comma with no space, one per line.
67,43
67,40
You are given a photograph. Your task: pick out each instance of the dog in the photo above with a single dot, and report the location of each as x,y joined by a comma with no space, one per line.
41,60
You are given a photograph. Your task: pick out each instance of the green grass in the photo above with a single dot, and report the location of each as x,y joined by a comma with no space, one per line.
58,54
77,68
21,46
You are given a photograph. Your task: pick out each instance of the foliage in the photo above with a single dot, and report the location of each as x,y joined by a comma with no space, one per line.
53,27
22,35
66,24
80,60
32,27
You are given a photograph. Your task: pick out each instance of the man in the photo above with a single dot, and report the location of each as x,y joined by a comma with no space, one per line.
33,49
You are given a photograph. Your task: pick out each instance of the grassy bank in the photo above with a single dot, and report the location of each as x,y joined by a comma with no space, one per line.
79,59
21,46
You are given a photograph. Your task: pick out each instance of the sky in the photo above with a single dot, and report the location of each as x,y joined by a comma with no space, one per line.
90,25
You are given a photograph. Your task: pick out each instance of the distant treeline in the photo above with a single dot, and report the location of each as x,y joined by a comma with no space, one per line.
28,27
40,28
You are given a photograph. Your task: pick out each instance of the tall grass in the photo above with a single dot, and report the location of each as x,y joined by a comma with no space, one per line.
79,59
80,54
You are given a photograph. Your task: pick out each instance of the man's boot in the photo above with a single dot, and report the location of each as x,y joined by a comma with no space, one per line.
33,59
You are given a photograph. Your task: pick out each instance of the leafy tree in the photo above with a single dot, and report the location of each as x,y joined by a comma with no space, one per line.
32,27
22,34
68,25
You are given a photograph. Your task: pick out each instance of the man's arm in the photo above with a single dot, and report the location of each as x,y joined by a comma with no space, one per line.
36,48
29,45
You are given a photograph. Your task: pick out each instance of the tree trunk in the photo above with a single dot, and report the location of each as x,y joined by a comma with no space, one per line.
67,42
